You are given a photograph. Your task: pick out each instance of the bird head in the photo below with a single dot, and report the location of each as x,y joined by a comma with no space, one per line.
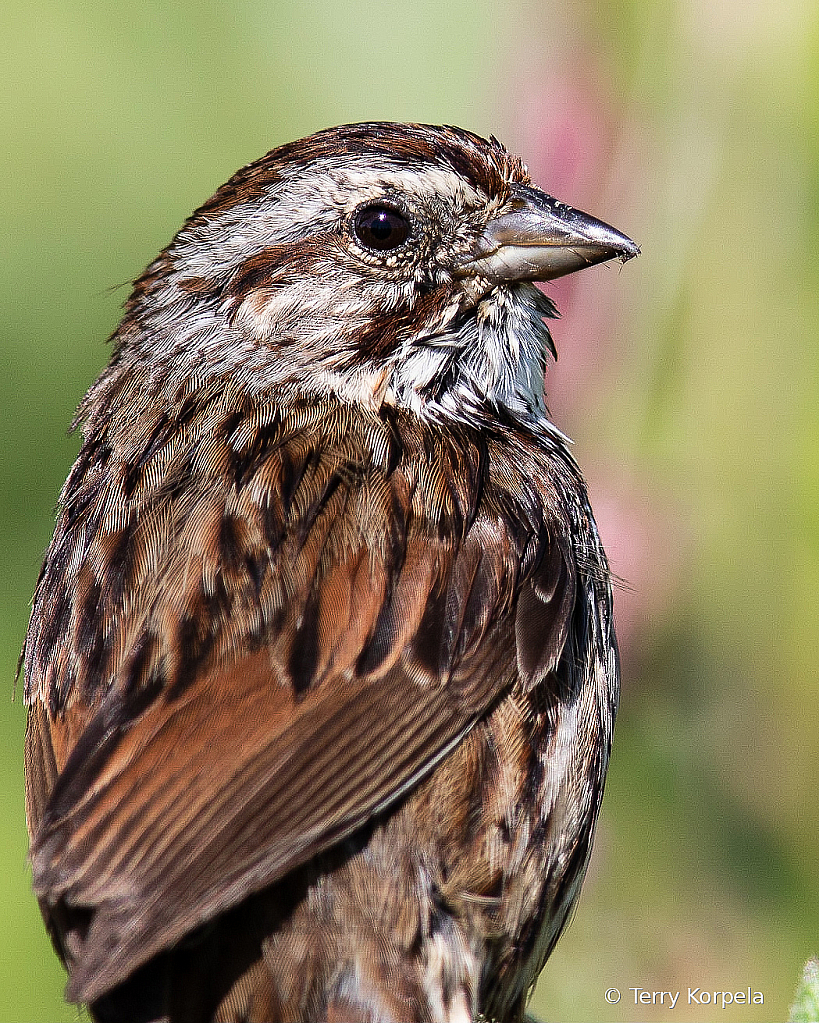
378,262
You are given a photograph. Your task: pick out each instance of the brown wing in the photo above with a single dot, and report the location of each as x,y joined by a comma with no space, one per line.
176,804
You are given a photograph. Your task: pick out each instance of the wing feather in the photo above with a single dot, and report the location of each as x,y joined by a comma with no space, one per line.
365,661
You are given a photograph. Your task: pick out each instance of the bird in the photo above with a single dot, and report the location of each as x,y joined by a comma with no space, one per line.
321,673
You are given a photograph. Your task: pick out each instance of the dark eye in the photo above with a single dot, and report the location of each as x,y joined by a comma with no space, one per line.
381,227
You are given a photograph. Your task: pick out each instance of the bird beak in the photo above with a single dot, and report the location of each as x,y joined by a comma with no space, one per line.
536,238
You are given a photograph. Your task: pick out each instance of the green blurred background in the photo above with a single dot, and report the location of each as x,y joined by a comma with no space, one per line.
688,380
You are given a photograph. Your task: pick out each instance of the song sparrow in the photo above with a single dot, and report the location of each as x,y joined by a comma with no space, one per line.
321,672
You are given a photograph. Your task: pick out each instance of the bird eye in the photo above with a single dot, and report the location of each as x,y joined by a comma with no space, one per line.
381,227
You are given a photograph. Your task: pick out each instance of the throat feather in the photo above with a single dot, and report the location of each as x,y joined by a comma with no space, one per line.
493,357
